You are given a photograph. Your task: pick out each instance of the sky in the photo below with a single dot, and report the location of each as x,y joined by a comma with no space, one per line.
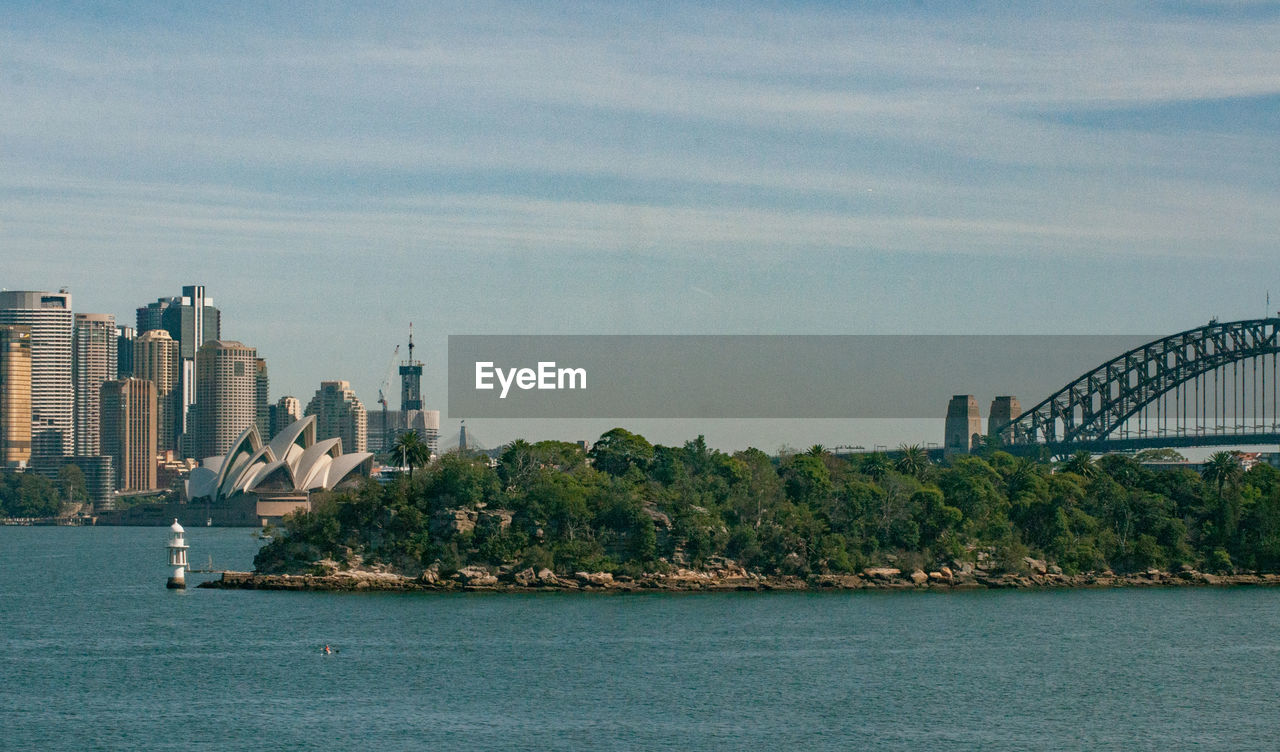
332,172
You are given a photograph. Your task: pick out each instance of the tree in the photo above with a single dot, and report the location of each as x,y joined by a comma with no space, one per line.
1221,469
27,495
1080,463
1023,475
875,465
807,479
459,480
72,484
516,463
912,460
412,451
561,499
1159,455
618,450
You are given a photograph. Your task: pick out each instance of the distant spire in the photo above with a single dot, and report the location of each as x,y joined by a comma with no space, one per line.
410,341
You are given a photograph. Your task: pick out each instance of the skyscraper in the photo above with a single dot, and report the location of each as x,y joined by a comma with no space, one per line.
124,351
226,397
410,388
155,358
262,400
191,321
128,432
15,396
285,412
339,414
93,361
48,317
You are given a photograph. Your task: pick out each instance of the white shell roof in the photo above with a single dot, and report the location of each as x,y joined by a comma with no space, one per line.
294,453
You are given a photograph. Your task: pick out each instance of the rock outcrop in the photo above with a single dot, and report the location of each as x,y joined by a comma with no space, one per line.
727,578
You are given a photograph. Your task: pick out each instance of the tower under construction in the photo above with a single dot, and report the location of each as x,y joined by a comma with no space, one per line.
410,386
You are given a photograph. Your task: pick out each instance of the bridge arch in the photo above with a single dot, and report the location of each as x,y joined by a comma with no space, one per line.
1100,402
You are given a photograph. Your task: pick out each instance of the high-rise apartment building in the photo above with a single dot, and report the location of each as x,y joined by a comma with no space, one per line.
383,427
155,358
15,396
428,427
93,361
226,397
262,400
191,321
124,351
339,414
128,432
285,412
47,315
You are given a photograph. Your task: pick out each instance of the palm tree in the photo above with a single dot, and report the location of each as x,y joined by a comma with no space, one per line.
913,460
1221,469
412,451
817,450
1019,478
876,465
1081,463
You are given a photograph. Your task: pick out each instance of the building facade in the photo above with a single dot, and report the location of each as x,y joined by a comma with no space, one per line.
155,358
382,429
93,361
47,315
427,425
226,397
285,412
128,432
262,398
191,320
15,396
124,351
339,414
385,428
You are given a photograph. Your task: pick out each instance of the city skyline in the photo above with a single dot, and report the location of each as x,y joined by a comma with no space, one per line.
696,169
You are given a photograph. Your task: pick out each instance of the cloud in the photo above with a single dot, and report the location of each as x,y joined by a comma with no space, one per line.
761,131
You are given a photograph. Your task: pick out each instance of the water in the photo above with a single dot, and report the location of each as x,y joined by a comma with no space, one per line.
95,653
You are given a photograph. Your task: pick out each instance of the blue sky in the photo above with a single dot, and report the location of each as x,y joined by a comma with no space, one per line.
331,172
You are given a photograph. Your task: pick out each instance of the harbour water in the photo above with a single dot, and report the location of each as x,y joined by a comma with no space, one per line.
95,653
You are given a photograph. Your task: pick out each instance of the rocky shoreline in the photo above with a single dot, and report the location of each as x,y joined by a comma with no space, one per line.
476,579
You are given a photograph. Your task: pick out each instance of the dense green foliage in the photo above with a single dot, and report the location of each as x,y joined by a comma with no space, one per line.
629,506
29,495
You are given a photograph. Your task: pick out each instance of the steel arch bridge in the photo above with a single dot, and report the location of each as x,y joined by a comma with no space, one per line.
1202,387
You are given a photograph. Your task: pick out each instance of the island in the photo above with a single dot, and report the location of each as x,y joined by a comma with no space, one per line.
631,516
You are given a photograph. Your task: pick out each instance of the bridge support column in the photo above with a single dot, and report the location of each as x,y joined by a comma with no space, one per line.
964,425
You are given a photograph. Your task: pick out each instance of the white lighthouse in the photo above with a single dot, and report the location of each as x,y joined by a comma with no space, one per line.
177,556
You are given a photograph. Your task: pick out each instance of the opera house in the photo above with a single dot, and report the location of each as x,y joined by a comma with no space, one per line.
267,481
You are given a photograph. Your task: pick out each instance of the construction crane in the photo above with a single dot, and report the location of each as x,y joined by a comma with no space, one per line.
387,433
